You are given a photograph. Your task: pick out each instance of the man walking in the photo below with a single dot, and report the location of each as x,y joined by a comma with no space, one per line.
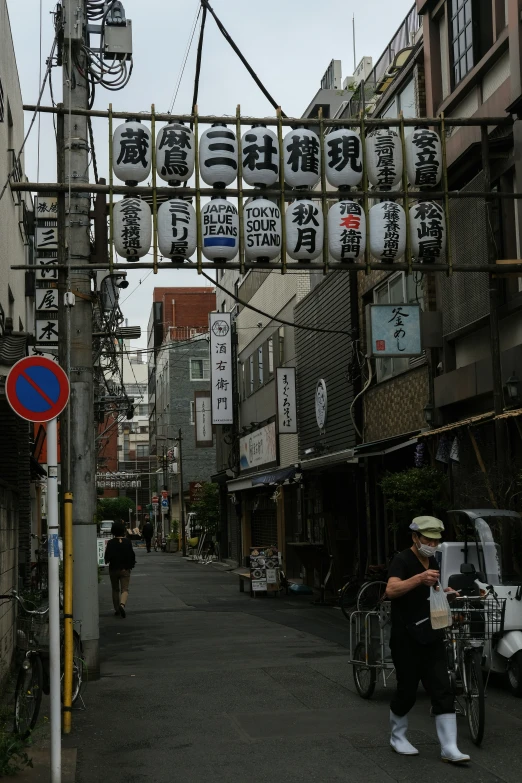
147,532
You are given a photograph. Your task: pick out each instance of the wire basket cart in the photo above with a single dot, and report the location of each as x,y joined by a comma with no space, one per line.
477,619
370,654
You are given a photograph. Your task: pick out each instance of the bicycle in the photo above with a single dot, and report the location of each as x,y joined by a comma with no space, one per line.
476,620
32,640
366,594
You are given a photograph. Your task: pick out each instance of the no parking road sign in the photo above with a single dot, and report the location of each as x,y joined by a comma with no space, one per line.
37,389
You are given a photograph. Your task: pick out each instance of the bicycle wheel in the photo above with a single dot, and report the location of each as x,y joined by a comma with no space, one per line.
348,597
77,678
474,696
28,695
364,675
370,596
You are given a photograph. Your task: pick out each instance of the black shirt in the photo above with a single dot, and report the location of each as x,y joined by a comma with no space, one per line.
119,553
413,605
147,530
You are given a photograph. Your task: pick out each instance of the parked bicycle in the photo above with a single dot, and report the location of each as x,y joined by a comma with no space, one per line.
39,567
365,594
32,642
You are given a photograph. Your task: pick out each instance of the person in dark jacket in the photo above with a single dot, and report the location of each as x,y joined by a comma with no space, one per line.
120,556
147,532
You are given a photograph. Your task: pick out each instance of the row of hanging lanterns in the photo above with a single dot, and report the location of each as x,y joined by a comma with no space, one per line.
218,156
262,230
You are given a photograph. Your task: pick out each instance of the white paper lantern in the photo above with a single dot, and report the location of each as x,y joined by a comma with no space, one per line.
428,231
218,156
384,158
220,230
260,156
131,152
343,158
177,229
304,230
175,148
346,231
132,228
302,158
262,229
387,231
423,158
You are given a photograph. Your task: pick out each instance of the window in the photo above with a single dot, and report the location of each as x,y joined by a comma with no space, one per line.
251,374
142,449
260,365
471,35
399,288
270,356
143,410
242,384
200,369
193,332
281,354
404,101
143,429
192,412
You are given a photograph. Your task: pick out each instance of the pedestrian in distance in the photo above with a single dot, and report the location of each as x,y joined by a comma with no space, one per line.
147,532
120,556
418,651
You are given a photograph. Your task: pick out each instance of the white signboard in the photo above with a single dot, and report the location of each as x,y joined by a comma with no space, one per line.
46,207
46,298
394,330
286,400
46,269
47,331
258,448
47,237
203,419
101,544
221,368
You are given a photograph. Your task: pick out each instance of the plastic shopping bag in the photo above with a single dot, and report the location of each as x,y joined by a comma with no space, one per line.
440,612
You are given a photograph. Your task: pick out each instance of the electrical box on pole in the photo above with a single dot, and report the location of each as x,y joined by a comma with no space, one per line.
73,22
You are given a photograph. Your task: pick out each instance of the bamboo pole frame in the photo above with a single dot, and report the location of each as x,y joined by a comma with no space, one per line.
282,188
324,200
198,192
405,202
111,198
241,238
449,260
367,256
154,193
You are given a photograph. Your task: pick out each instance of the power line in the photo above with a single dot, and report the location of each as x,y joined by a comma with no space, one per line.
198,60
187,52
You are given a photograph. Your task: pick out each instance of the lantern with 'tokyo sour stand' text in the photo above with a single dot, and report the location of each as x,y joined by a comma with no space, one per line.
304,230
260,156
220,229
132,228
387,231
218,156
262,229
131,152
175,152
346,231
177,229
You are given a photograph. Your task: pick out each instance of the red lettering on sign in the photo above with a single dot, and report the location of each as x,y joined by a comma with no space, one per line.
380,345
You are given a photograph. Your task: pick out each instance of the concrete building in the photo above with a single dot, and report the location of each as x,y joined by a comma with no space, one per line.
17,495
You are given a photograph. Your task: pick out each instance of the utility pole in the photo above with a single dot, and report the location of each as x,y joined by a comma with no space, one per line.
79,448
181,498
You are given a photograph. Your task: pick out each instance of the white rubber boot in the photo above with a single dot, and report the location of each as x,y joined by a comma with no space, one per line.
398,741
447,734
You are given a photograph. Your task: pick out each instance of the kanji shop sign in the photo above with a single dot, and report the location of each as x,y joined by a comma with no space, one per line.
221,368
394,330
286,401
258,448
203,419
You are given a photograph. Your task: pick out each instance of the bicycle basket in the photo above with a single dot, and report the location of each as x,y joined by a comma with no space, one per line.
477,618
32,633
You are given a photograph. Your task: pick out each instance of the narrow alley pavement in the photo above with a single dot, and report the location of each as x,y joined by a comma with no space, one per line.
203,683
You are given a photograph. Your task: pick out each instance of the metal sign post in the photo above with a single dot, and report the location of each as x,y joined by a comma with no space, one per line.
37,389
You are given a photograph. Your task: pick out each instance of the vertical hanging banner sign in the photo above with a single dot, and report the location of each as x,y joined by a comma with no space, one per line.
221,368
203,419
286,401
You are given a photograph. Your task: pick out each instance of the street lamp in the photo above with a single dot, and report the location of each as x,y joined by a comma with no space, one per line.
429,413
512,386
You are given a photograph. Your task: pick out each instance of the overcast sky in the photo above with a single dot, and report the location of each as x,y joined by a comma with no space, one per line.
289,43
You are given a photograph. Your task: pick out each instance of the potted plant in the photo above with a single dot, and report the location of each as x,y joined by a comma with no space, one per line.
173,537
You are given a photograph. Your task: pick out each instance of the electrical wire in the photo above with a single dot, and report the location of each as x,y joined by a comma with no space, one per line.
187,52
198,63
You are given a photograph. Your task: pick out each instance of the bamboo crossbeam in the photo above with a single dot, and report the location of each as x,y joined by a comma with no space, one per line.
294,266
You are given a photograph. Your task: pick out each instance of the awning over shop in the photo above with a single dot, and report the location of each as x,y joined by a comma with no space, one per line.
473,421
325,460
387,445
262,479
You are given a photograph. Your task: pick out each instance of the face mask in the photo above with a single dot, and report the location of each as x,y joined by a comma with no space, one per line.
425,550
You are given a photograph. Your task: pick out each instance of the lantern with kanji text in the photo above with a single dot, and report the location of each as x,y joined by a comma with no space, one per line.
384,158
132,228
218,156
177,229
428,231
175,150
304,230
387,231
302,158
346,231
343,158
423,158
132,152
260,156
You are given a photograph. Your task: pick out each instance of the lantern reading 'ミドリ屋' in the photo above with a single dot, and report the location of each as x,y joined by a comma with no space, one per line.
346,231
131,152
218,156
302,158
260,156
304,230
262,229
132,228
175,149
343,158
177,229
384,158
220,230
387,231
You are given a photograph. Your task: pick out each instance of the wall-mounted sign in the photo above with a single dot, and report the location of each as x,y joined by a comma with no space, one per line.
221,368
394,330
203,419
286,401
47,237
321,404
46,298
258,448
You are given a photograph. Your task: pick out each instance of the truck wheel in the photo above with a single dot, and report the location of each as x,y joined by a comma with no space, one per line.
515,673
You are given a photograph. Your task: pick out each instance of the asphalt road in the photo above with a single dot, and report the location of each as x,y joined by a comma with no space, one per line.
203,683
